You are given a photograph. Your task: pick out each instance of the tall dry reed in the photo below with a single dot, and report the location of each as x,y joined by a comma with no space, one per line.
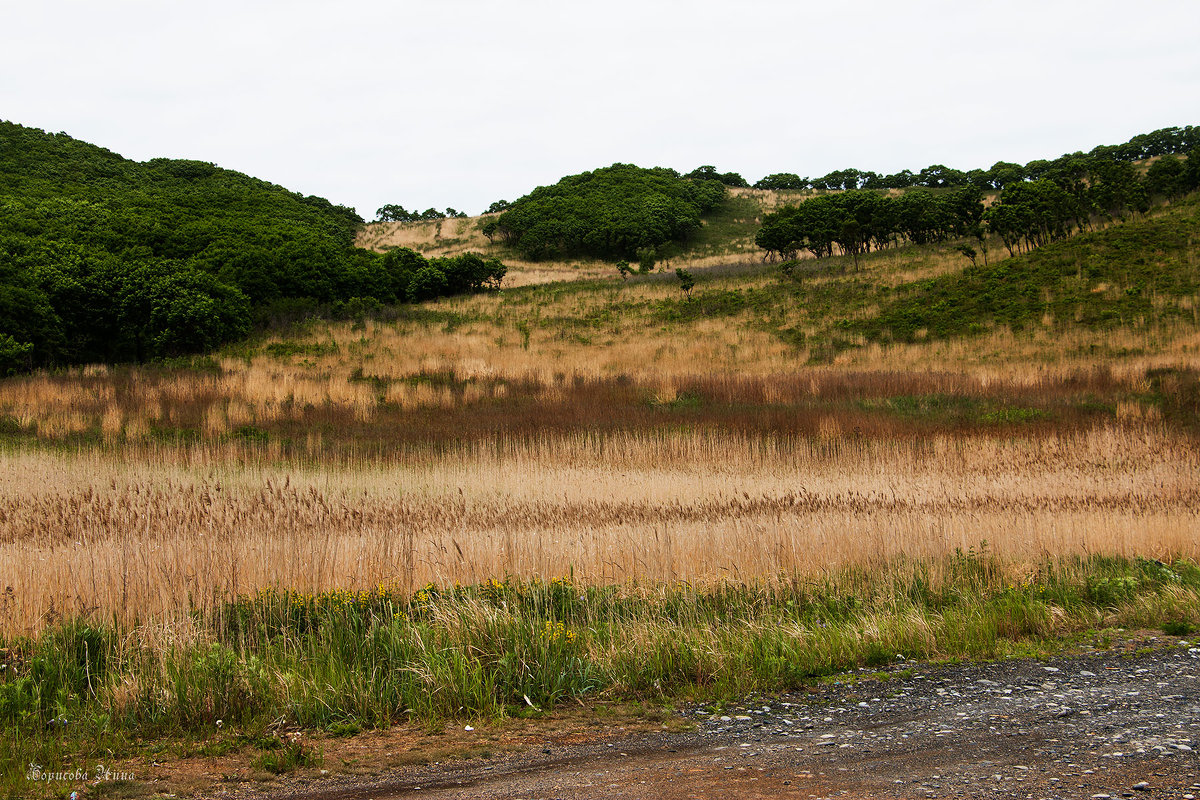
141,534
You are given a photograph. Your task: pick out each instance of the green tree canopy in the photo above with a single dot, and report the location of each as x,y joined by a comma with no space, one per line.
709,173
859,220
610,213
783,181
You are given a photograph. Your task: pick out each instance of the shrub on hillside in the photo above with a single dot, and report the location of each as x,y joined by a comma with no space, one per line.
609,213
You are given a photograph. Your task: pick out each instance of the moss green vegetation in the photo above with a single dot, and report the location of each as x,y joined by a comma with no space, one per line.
341,661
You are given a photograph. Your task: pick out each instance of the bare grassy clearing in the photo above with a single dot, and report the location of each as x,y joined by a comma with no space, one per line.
453,237
728,234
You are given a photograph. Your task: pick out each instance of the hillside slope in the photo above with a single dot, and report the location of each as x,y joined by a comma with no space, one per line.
727,236
1143,272
1083,188
1100,327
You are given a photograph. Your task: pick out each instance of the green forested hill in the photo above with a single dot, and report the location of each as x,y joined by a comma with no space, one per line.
107,259
36,165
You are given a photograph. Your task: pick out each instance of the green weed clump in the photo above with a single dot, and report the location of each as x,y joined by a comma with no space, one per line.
343,661
287,757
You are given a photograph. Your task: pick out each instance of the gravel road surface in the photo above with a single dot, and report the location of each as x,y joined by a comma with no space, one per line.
1113,724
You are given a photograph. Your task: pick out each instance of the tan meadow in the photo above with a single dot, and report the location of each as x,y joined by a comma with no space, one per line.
566,429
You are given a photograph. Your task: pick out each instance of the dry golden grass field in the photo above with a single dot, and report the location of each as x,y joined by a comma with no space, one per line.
595,428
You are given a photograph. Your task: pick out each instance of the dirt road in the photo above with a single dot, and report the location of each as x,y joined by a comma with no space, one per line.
1102,725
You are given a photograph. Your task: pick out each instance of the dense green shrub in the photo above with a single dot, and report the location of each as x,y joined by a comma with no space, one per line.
427,283
609,213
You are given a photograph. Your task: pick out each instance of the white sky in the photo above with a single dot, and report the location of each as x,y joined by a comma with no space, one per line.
459,103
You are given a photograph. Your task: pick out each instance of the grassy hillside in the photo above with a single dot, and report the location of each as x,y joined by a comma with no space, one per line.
1023,206
914,338
1142,273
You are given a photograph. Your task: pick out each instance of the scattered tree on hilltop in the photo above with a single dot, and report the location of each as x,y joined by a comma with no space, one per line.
1166,141
395,213
787,181
709,173
1040,202
843,179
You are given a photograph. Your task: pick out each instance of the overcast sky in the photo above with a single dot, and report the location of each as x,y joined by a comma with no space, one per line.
460,103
